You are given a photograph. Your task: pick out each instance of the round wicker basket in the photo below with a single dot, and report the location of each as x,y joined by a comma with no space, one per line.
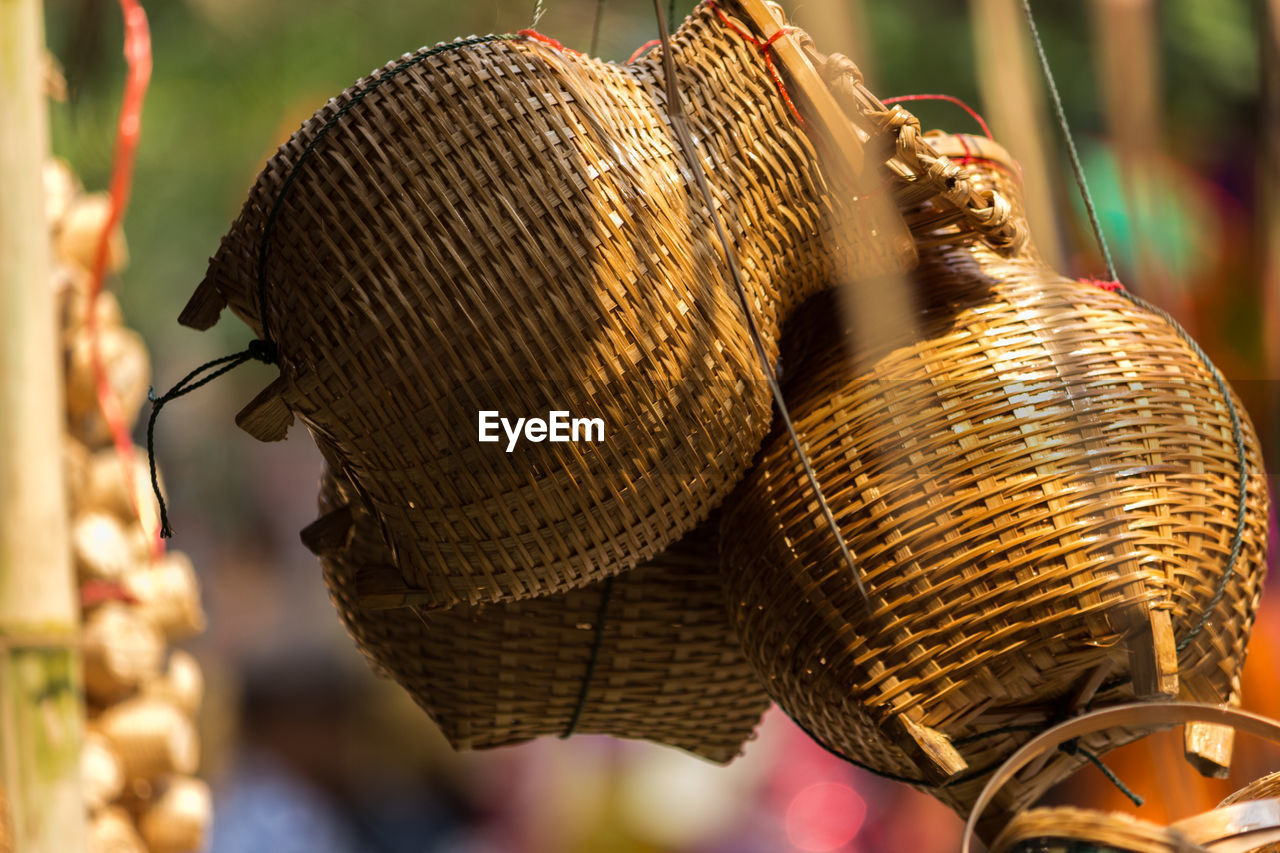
505,225
502,224
648,655
1041,482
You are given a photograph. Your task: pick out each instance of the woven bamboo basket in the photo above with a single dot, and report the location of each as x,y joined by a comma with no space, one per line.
1041,484
648,655
1246,822
503,224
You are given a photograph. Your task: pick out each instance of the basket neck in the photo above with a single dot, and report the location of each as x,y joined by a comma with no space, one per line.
990,166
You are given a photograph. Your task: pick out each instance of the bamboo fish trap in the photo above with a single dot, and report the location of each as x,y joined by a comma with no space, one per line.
1052,502
648,655
502,224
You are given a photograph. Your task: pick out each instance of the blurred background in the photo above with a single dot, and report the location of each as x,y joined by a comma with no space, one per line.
1176,107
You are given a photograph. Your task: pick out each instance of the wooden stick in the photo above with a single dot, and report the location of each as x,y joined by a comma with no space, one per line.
1128,64
1009,82
1269,221
40,709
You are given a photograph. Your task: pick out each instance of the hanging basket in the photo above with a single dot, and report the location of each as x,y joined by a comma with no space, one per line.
648,655
504,225
1042,483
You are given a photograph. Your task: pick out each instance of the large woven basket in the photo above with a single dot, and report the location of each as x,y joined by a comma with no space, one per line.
1041,484
504,224
648,655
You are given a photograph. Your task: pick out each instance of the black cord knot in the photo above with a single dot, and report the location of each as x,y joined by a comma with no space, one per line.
264,351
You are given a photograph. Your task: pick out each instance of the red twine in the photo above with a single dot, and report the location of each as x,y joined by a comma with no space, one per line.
547,40
949,99
764,46
137,54
642,48
1103,284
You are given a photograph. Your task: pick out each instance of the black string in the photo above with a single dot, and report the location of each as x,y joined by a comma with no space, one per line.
1073,747
263,351
606,592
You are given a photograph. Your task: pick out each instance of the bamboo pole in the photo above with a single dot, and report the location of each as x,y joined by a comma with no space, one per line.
1269,220
1128,64
40,705
844,27
1011,86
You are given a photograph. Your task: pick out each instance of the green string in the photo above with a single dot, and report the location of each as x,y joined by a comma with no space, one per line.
595,27
1070,141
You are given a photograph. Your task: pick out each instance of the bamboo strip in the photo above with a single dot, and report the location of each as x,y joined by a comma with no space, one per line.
1011,100
40,711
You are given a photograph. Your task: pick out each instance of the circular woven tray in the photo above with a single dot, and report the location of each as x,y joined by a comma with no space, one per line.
1032,474
1247,822
1268,787
661,665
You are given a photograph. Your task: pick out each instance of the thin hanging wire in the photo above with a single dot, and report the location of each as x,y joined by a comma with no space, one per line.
1071,145
675,109
595,27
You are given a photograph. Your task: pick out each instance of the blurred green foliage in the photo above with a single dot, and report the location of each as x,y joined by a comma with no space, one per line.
233,78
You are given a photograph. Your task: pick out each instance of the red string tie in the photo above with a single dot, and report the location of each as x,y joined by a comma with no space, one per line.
642,48
1103,284
763,47
950,99
547,40
137,53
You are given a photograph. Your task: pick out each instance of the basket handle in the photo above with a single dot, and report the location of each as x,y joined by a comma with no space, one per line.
1135,715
